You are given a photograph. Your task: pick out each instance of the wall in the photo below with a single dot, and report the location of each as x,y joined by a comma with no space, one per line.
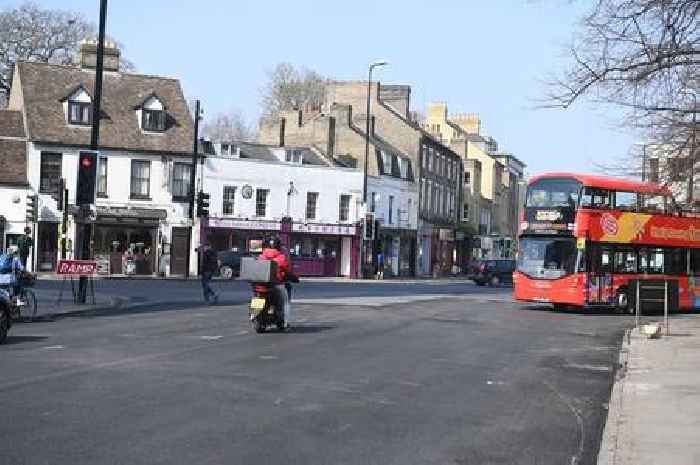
405,199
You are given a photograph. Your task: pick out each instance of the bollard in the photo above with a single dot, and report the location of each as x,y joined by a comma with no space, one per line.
636,313
666,307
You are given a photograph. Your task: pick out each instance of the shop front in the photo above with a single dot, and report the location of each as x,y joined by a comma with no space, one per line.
399,248
443,251
125,241
314,249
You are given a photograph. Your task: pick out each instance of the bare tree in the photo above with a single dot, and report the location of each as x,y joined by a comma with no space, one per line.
642,56
228,126
31,33
288,87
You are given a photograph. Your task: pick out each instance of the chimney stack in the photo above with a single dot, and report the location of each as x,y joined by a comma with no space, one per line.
88,55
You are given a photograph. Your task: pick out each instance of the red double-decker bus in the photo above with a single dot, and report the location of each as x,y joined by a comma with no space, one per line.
583,238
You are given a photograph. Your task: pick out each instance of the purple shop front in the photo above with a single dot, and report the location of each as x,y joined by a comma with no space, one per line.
314,249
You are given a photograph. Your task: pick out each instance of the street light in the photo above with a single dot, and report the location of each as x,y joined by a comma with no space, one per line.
691,157
365,247
376,64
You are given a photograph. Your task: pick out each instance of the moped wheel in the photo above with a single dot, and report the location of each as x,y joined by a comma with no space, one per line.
258,326
4,324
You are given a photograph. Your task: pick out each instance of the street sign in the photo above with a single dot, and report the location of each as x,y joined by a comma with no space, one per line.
77,267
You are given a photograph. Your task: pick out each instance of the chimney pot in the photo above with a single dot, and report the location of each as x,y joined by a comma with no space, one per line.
88,55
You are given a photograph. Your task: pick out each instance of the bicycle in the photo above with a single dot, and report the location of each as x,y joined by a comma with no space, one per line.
27,311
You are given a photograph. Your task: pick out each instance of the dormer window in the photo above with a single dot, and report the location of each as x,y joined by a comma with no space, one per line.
79,107
79,112
153,115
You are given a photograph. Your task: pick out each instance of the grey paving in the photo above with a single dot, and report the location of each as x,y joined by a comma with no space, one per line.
447,380
655,410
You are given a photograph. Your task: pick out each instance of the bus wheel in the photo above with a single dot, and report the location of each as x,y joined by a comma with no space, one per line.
622,301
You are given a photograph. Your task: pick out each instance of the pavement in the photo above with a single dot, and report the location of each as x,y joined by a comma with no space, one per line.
449,374
654,415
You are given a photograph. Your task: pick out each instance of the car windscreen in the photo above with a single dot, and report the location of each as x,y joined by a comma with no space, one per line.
548,258
553,193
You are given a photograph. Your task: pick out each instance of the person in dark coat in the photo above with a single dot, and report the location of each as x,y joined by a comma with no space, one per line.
209,266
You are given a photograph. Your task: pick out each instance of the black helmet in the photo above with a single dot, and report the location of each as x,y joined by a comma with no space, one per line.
274,243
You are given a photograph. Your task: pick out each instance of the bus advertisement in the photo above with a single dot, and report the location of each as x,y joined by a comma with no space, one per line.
584,238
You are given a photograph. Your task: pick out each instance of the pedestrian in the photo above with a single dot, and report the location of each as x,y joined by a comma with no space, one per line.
380,265
210,265
24,245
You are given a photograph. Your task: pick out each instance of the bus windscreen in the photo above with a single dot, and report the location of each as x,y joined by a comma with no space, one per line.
548,258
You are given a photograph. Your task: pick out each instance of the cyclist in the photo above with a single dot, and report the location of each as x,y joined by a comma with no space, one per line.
10,268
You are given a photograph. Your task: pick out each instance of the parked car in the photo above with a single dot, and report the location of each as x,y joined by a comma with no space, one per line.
492,272
230,262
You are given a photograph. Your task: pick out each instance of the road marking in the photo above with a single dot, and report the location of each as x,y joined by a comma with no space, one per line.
269,357
588,367
241,333
210,338
54,347
498,383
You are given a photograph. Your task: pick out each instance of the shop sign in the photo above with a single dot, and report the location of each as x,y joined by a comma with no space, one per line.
330,229
447,235
243,224
76,267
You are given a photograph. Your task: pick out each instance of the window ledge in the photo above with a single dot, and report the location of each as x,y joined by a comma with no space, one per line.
139,197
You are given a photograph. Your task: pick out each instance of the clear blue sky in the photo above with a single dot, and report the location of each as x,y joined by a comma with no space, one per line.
485,57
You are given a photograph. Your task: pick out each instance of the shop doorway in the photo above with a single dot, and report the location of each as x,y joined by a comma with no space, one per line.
179,250
47,246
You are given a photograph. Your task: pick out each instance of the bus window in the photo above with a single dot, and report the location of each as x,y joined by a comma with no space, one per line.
654,204
596,198
626,201
675,261
599,259
695,261
651,261
553,192
625,261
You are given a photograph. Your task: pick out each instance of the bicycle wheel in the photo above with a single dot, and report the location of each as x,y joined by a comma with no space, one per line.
28,311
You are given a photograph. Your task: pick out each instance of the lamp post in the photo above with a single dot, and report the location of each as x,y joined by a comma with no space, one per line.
376,64
369,117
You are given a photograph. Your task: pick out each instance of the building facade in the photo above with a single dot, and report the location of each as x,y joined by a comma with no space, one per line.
258,191
493,182
141,224
398,150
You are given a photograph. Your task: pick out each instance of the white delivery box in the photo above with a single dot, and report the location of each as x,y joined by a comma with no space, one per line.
258,271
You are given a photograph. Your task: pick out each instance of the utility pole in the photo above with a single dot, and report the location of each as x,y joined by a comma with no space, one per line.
193,176
84,248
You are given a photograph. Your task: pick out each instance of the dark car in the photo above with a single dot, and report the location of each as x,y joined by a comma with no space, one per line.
230,262
492,272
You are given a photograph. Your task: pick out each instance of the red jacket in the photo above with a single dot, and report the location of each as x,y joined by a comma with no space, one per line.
279,258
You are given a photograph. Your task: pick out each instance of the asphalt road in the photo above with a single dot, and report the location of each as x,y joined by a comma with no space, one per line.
463,378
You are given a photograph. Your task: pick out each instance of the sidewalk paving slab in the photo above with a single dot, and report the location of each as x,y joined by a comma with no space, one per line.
654,414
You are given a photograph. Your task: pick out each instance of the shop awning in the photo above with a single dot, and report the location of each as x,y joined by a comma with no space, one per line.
130,215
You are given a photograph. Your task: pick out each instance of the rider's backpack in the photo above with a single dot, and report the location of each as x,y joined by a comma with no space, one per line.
5,264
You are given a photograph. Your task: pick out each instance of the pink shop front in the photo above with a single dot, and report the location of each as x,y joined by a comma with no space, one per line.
314,249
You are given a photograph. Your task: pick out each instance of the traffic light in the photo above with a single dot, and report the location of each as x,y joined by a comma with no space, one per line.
202,204
32,208
87,177
369,227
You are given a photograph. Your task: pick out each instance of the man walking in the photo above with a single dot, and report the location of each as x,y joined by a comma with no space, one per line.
24,245
210,265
